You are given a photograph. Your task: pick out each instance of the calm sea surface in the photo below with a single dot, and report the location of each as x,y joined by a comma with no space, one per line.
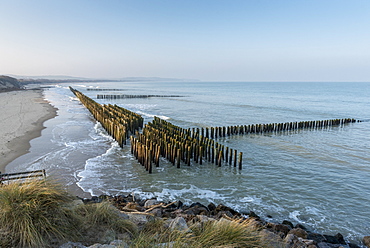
319,178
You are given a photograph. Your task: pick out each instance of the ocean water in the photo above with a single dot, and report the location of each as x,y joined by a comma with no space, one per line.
318,177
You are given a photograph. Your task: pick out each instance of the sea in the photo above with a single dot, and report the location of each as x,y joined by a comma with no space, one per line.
318,177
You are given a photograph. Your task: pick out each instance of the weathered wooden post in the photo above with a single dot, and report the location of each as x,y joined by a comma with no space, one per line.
240,160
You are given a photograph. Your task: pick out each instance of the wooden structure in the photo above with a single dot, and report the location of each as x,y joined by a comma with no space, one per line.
131,96
217,132
7,177
160,138
117,121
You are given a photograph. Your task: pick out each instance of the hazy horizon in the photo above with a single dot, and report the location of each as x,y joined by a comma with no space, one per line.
252,41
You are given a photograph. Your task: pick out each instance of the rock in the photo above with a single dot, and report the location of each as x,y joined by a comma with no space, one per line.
150,203
340,238
197,204
312,246
179,223
72,245
280,228
116,242
102,246
336,239
211,206
221,207
177,204
290,238
157,212
308,242
203,218
220,214
253,214
196,210
253,223
270,239
166,245
299,233
300,226
366,241
139,218
351,245
317,237
288,223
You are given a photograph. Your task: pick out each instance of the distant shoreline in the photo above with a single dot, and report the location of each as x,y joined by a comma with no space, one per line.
23,114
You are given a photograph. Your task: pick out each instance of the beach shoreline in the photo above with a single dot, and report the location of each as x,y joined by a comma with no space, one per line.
23,114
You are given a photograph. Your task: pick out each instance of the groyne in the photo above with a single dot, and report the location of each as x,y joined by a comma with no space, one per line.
160,138
131,96
100,89
117,121
178,145
225,131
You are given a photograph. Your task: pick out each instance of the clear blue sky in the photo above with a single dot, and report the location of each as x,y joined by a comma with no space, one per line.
210,40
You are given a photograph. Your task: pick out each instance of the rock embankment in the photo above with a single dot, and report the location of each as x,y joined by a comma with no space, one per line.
9,83
180,216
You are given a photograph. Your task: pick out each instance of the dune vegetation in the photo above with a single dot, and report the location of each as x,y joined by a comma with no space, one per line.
40,213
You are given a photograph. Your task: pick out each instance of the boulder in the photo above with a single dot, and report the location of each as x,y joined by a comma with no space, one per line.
139,218
102,246
300,226
336,239
253,223
179,223
72,245
280,228
211,206
299,233
317,237
288,223
224,208
150,203
270,239
366,241
253,214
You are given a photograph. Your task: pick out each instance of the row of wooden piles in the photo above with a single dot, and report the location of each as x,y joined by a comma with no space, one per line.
216,132
117,121
104,89
160,138
131,96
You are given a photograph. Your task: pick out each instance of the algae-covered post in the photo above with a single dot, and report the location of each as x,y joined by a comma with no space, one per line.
240,160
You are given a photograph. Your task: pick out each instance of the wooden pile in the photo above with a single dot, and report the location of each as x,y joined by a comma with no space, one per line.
161,138
117,121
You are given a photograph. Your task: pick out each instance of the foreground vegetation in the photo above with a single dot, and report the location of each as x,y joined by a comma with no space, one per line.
40,213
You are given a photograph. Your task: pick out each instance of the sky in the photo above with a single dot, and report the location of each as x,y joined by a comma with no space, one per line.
208,40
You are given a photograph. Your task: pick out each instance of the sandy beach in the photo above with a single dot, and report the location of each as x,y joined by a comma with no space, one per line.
22,114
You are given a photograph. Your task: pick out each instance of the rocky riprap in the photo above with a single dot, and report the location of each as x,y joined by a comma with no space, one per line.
180,216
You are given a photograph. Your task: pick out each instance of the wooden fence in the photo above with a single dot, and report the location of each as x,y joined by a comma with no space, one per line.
6,177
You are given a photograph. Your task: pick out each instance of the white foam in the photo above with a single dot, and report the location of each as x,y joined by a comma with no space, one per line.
152,116
295,216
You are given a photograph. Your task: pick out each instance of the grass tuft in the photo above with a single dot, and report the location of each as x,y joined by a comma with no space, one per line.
105,214
224,233
32,213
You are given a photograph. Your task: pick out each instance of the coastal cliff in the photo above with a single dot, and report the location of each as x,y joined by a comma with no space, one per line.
9,83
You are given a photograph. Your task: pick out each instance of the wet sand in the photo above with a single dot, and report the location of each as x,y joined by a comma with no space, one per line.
22,115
